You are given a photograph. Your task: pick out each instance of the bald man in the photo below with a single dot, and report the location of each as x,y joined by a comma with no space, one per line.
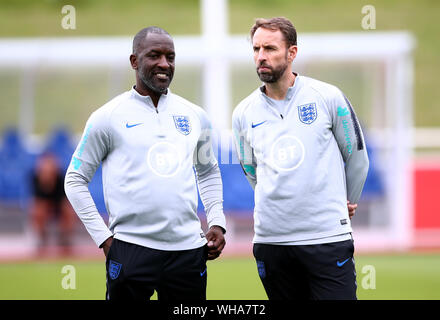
148,141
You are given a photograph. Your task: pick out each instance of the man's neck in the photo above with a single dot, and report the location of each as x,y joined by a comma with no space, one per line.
145,91
278,90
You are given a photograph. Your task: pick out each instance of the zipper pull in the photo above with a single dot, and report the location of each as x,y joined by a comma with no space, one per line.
281,116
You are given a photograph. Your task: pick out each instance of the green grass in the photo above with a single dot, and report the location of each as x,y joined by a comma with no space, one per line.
42,280
408,276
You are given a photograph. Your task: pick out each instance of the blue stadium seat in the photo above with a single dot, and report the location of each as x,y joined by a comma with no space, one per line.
374,185
238,196
59,143
16,165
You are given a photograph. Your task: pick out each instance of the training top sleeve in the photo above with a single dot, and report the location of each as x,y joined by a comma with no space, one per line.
349,137
91,150
243,149
208,176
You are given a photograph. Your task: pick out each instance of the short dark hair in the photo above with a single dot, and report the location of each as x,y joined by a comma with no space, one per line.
141,35
278,23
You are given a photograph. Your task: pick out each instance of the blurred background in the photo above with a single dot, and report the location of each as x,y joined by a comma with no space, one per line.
58,65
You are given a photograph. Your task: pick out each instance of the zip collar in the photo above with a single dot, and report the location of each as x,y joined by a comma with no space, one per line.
291,92
148,102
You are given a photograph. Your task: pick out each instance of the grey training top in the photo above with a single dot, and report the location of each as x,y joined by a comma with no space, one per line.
305,157
148,156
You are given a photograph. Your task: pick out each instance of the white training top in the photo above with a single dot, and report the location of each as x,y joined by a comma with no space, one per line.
305,157
148,158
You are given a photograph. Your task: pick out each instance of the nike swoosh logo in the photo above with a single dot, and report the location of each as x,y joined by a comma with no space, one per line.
340,264
257,124
132,125
202,273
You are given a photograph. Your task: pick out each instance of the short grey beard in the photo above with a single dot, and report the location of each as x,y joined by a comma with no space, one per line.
150,85
274,76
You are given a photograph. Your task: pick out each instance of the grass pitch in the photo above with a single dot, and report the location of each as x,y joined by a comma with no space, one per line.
408,276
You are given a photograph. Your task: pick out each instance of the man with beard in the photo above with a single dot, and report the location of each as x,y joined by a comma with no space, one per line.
303,152
148,141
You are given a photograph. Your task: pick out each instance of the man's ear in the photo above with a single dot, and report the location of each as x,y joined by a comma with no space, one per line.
292,51
133,61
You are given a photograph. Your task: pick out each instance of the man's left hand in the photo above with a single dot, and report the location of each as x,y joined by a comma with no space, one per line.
351,209
216,242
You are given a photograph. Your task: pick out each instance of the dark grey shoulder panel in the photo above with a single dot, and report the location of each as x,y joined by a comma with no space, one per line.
357,130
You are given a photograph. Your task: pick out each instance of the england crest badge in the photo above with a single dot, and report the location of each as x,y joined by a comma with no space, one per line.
114,268
183,124
307,113
261,269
